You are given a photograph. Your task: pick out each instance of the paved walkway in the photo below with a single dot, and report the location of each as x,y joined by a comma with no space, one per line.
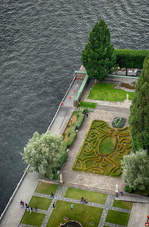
14,213
60,196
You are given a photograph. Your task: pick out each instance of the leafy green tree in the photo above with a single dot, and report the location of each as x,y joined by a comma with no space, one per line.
45,153
98,56
139,111
136,170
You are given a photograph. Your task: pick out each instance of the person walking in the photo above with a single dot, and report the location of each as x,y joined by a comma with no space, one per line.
22,203
53,205
71,206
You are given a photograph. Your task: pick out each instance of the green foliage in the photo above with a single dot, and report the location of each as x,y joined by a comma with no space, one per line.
108,92
118,122
127,58
139,111
103,149
74,124
87,104
136,170
128,189
44,153
98,56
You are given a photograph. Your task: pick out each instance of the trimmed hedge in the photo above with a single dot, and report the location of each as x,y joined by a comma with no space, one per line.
127,58
97,155
71,134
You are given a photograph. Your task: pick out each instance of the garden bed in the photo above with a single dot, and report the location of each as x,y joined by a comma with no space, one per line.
103,149
73,125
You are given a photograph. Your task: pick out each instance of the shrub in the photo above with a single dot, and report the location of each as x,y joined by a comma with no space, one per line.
118,122
128,189
130,58
71,138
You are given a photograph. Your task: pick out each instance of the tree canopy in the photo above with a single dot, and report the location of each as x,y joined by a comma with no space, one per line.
139,111
45,153
98,56
136,170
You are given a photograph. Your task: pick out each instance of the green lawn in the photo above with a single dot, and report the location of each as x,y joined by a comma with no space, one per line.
107,145
117,217
40,203
33,218
76,193
81,213
46,188
122,204
107,92
87,104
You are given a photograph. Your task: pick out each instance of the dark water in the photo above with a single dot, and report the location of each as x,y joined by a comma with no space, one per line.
40,47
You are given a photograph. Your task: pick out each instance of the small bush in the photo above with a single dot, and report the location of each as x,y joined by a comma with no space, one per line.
71,138
128,189
118,122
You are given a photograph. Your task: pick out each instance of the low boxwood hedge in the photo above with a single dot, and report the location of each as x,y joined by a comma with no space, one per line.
118,122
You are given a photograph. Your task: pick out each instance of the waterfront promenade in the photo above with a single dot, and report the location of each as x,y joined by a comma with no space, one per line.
14,213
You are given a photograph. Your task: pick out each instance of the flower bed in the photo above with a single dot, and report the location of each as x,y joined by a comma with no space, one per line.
73,125
103,149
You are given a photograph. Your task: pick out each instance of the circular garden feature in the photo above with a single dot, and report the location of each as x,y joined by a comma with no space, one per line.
71,224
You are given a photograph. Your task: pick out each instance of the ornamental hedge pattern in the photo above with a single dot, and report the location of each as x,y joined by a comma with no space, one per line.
92,158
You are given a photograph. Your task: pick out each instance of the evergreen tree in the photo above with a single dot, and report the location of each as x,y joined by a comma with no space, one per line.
98,56
139,111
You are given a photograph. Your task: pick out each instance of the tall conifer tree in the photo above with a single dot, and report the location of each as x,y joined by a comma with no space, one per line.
139,111
98,56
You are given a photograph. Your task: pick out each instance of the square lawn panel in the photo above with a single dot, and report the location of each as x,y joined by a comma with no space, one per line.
40,203
46,188
122,204
76,193
86,215
108,92
117,217
33,218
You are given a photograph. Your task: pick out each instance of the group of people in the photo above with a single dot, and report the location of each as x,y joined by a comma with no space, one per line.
84,200
26,206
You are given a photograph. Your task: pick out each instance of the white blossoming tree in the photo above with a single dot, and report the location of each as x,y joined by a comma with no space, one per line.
45,153
136,170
